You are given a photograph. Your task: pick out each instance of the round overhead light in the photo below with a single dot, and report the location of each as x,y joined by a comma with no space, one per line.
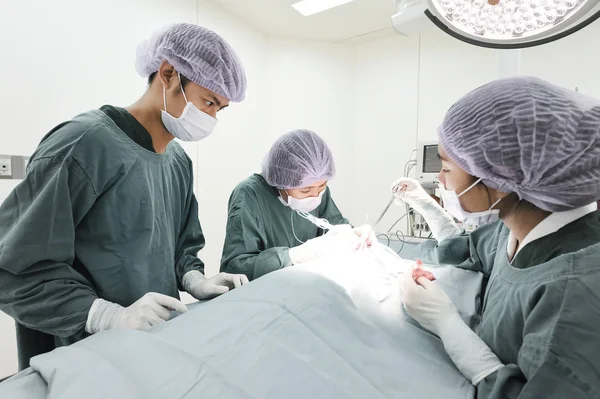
508,23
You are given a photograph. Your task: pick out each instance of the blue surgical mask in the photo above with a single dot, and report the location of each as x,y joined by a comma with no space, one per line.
192,125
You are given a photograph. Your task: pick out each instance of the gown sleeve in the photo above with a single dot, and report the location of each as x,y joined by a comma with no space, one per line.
39,287
244,251
191,239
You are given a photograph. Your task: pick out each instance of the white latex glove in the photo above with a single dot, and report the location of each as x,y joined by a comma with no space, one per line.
366,233
440,222
340,240
428,304
198,286
148,311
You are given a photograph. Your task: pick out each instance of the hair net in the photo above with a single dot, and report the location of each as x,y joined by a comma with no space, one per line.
526,136
198,54
298,159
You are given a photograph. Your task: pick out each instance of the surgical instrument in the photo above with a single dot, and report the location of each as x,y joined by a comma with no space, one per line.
321,223
394,189
385,210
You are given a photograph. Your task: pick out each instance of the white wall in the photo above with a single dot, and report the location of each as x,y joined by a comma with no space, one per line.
448,70
385,120
59,61
571,62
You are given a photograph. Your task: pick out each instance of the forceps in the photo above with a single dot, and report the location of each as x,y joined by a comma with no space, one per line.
394,189
384,211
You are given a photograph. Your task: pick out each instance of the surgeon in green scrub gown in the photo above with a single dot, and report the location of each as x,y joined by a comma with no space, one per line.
104,231
264,233
528,152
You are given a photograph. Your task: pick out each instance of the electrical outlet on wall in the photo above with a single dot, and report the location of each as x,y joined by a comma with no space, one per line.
12,167
5,167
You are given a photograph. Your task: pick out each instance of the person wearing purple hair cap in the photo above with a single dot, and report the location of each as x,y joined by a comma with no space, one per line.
529,152
104,231
193,74
265,233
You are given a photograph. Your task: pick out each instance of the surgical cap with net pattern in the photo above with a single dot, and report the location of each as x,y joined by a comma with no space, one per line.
298,159
197,53
526,136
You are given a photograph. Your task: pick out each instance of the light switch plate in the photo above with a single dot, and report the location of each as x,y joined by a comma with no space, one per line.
5,167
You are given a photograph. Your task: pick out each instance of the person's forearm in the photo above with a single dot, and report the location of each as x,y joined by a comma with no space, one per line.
468,352
55,302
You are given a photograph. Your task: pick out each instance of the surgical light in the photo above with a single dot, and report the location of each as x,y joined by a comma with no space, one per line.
310,7
502,23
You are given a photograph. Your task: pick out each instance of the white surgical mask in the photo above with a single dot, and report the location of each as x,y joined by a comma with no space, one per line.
192,125
470,220
305,204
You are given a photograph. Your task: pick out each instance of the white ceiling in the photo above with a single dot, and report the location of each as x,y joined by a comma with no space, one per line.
359,20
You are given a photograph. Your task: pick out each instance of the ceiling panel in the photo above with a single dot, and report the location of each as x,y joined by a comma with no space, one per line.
358,20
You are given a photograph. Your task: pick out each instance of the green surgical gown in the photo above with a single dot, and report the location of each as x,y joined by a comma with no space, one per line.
259,228
540,317
97,216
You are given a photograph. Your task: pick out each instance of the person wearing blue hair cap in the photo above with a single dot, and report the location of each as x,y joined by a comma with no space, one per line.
104,230
530,152
264,231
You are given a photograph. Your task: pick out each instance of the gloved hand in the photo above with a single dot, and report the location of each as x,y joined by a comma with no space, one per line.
440,222
341,240
148,311
409,190
366,233
428,304
197,285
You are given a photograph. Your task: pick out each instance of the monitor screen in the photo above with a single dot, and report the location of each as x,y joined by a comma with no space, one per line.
431,162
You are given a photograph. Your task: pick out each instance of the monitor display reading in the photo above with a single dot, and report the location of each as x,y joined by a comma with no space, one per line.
431,162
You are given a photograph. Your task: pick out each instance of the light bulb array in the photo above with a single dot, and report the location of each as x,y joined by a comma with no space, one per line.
507,18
